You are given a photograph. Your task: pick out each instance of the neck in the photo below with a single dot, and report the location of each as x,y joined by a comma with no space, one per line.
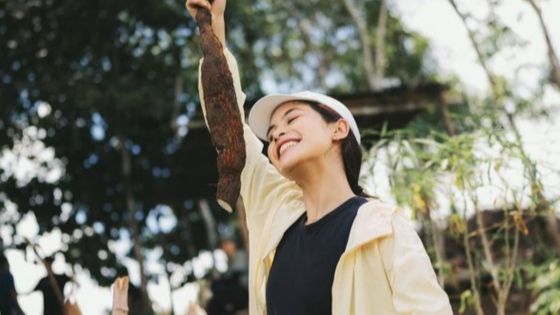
324,188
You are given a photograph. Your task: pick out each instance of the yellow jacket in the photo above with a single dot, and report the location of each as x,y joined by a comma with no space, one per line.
384,269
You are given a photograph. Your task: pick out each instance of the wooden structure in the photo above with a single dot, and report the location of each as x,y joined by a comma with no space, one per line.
395,107
458,279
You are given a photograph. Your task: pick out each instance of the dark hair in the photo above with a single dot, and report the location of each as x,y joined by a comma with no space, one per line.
350,149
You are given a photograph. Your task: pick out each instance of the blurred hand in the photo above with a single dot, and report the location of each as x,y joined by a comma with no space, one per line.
216,8
120,296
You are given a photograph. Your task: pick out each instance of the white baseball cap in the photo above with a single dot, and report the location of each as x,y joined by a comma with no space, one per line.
259,116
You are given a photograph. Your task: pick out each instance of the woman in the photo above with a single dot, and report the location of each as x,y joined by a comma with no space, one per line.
318,244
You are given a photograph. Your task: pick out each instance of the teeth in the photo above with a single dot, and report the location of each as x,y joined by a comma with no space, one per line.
286,146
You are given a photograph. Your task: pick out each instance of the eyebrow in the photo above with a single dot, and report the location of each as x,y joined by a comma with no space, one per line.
285,114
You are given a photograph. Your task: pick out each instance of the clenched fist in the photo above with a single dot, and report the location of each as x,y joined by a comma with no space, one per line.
216,7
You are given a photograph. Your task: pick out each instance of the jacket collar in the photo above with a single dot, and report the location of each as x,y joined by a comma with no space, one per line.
277,223
372,221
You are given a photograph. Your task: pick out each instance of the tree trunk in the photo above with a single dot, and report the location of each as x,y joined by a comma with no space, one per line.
134,229
322,67
187,237
211,230
209,222
177,101
449,125
552,229
367,55
380,34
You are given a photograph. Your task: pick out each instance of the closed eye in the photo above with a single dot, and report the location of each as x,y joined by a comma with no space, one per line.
289,122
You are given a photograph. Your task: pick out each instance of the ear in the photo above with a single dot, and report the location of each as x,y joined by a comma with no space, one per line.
340,129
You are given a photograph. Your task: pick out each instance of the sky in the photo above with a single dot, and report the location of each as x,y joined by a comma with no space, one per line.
434,19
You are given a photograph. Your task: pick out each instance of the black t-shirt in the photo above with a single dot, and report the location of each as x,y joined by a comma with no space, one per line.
302,272
51,306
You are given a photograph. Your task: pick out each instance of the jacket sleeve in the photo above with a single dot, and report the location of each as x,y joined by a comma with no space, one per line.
261,184
413,281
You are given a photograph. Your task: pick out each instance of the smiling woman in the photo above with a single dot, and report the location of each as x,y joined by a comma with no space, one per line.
318,244
349,149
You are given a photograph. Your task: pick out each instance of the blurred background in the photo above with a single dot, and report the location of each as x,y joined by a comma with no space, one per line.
106,167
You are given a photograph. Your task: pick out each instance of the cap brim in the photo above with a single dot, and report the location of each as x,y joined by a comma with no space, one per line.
259,116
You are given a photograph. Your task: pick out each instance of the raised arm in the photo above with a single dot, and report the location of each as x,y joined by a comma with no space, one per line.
120,296
261,184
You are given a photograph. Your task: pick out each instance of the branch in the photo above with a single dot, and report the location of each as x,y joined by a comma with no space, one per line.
552,56
322,67
380,42
209,222
126,169
361,24
472,274
476,47
50,275
487,250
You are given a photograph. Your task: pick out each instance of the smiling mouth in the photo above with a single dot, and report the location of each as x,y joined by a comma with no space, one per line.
286,146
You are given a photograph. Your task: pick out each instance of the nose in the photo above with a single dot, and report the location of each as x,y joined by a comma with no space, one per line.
276,134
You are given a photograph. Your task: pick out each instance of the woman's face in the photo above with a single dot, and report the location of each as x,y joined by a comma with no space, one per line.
298,134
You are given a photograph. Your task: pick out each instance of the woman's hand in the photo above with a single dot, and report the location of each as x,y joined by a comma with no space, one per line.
216,8
120,296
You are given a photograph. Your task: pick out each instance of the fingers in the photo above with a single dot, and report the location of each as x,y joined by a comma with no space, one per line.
193,5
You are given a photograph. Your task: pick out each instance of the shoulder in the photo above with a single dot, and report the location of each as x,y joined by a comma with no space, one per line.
377,214
373,222
377,208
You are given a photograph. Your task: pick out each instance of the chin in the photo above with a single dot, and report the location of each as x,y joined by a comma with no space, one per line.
287,167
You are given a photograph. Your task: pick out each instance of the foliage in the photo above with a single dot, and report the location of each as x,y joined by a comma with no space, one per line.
108,87
441,177
546,288
317,46
96,99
